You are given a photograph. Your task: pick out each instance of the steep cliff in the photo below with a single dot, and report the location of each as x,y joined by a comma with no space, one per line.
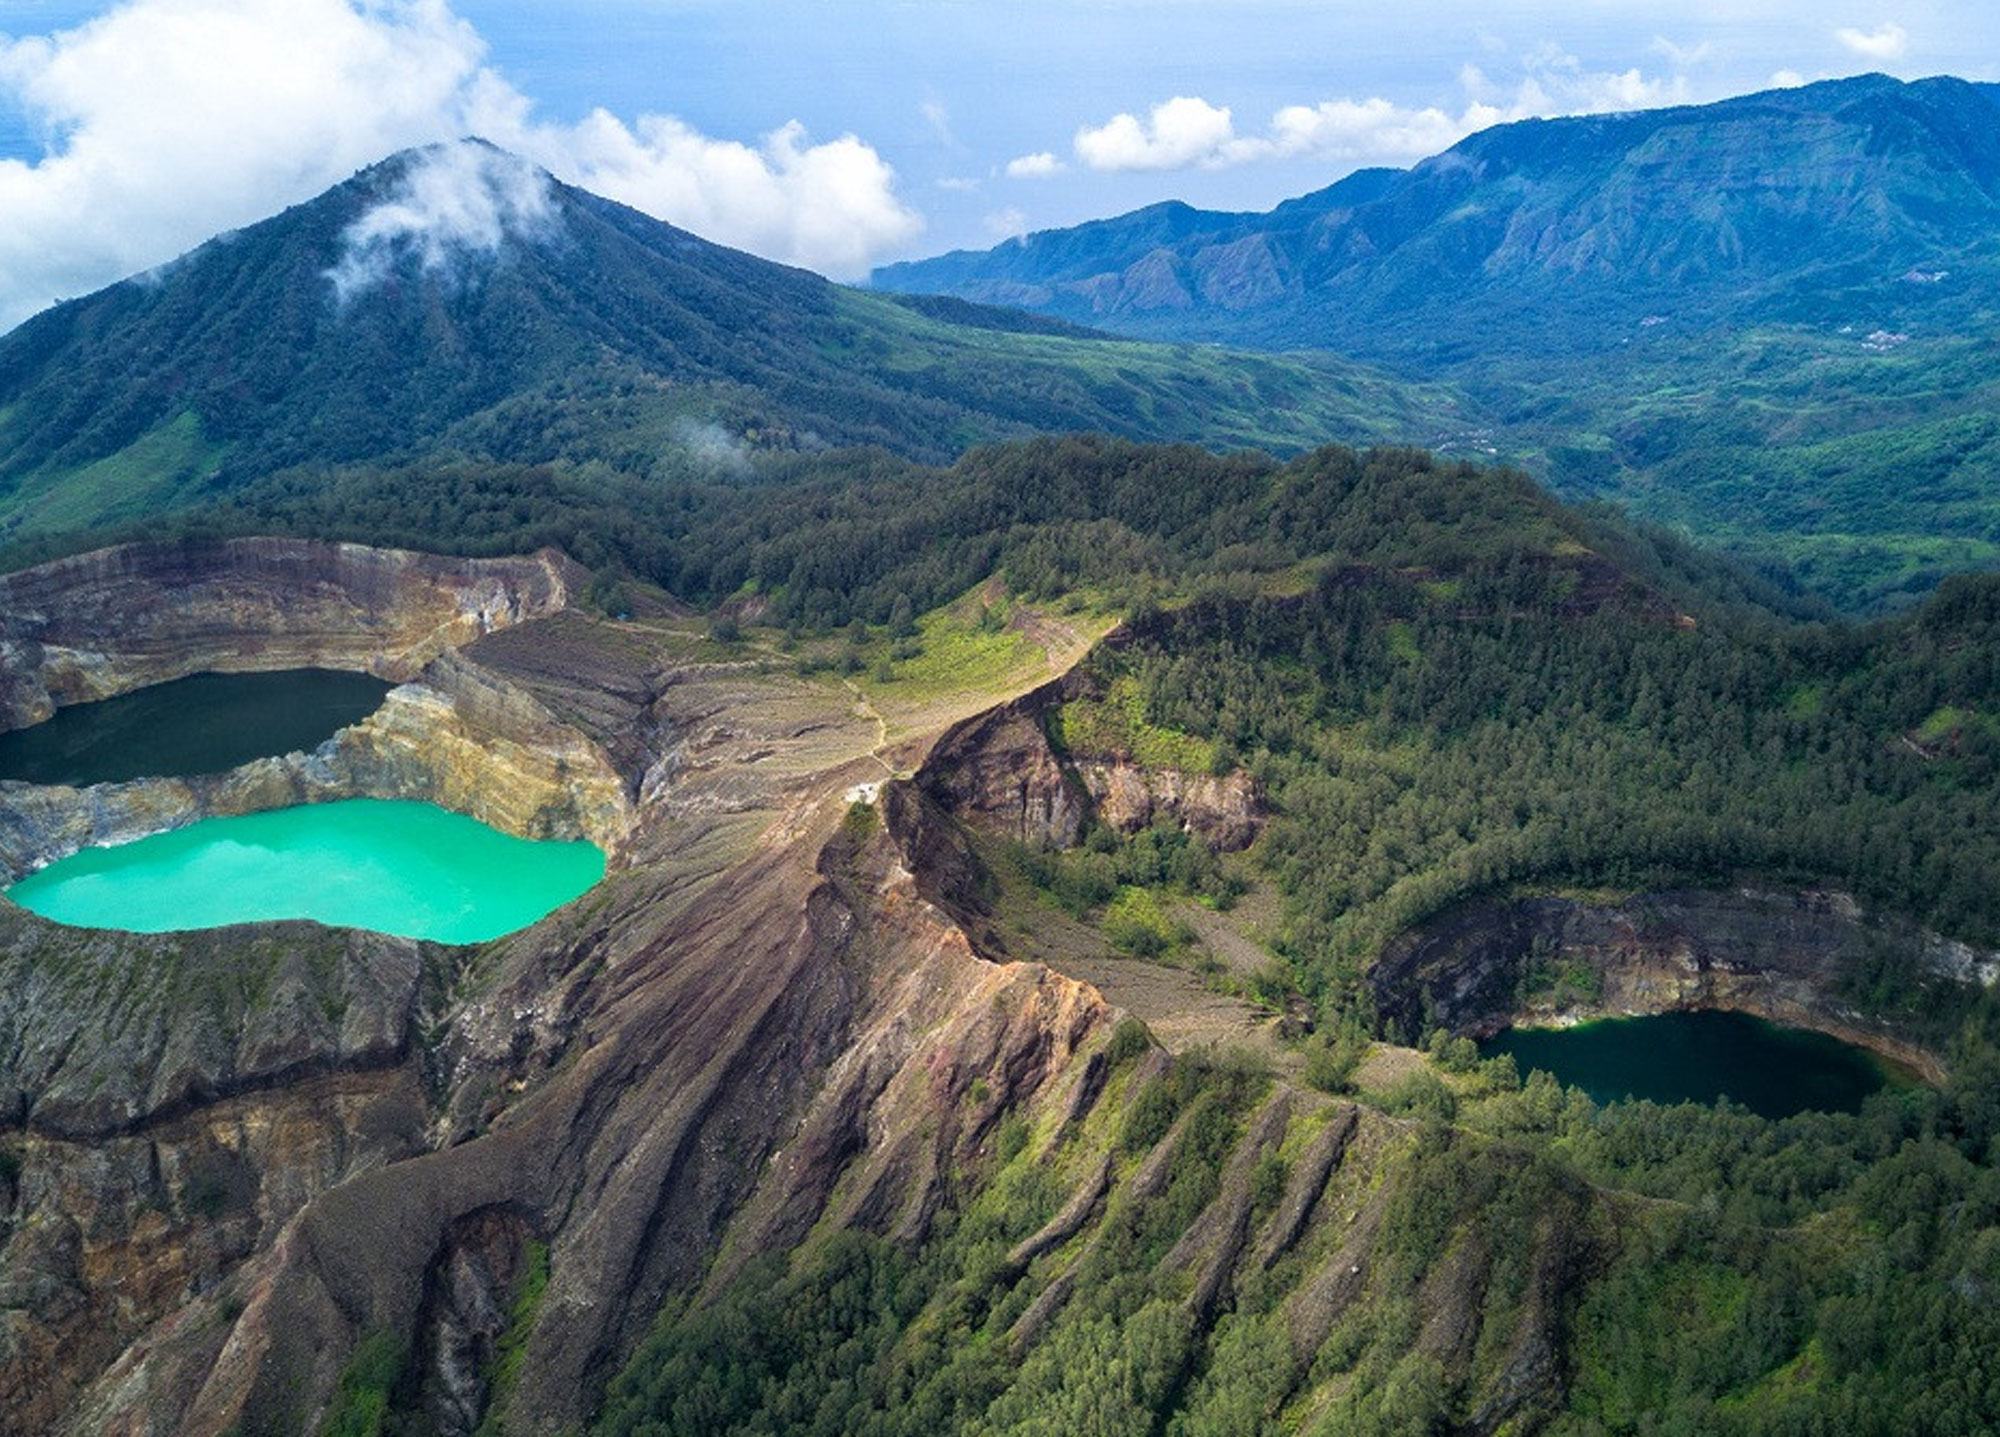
1795,958
100,623
1000,772
1226,810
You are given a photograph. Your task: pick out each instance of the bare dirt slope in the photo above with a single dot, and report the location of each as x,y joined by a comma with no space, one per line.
756,1021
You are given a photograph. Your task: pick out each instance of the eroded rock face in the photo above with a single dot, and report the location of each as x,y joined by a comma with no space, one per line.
1782,956
102,623
998,773
1225,811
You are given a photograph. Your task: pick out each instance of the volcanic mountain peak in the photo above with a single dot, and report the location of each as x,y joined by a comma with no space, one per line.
457,303
446,203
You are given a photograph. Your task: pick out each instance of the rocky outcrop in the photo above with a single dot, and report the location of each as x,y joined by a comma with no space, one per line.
112,620
171,1102
104,1032
998,773
760,1024
1789,957
1225,811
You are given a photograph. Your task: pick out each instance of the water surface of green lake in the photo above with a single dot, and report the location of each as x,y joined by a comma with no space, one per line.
205,723
406,868
1698,1058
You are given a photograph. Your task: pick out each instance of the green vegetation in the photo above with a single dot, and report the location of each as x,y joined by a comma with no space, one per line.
624,353
513,1345
852,1335
1868,477
1529,743
1117,725
1449,687
361,1404
1700,1270
1116,877
964,649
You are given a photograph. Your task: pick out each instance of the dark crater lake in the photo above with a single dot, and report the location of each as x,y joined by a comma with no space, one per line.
206,723
1700,1057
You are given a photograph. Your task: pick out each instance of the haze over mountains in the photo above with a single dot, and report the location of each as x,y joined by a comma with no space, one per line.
1762,318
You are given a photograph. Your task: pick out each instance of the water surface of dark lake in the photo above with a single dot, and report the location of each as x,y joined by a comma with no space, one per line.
206,723
1698,1058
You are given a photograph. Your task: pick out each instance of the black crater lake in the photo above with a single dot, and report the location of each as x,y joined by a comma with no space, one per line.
406,868
1700,1057
207,723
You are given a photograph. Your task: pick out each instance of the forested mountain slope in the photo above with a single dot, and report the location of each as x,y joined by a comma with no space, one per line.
456,302
1782,205
803,1122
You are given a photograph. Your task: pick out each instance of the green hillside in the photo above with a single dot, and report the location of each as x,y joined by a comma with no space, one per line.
587,333
1449,688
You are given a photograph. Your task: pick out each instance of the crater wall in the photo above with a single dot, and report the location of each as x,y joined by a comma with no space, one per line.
103,623
1793,958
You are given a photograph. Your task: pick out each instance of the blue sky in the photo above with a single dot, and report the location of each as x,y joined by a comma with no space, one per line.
839,135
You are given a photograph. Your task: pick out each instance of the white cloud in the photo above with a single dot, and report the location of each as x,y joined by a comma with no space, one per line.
830,206
1006,224
1035,167
1682,57
455,200
178,118
1371,129
174,119
1181,133
1889,42
938,118
1190,133
1787,80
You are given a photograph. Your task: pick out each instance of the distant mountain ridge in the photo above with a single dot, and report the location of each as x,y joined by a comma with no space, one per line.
457,302
1767,320
1837,186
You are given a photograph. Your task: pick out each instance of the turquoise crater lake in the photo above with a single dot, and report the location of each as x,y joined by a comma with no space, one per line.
1700,1057
405,868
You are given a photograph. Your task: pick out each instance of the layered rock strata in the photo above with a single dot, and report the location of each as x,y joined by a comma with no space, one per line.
760,1023
102,623
1226,811
1000,773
